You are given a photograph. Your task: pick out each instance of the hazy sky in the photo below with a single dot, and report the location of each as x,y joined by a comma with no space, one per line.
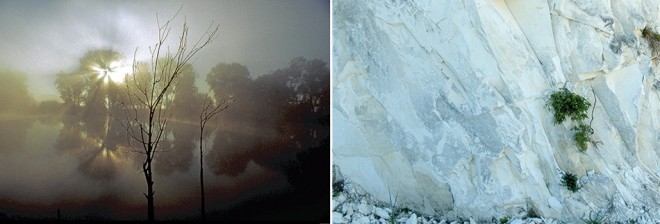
41,38
63,162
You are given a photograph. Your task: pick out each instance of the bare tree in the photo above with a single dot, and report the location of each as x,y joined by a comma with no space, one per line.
210,109
149,91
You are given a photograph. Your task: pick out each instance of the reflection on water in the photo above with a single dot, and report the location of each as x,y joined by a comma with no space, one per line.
98,154
61,166
75,154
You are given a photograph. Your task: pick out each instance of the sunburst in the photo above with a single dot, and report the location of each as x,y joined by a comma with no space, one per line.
115,71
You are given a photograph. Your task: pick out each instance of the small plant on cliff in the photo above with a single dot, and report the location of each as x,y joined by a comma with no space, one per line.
654,40
565,104
570,181
504,220
596,218
582,136
337,187
531,212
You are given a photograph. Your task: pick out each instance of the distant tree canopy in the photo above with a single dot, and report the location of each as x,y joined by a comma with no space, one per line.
16,107
279,118
94,101
273,117
14,93
80,87
89,97
186,104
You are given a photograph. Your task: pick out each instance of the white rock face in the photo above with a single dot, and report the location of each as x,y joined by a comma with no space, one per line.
439,104
338,218
363,220
554,203
412,219
364,209
381,213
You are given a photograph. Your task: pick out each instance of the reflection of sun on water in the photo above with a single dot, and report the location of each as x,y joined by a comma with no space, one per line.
116,71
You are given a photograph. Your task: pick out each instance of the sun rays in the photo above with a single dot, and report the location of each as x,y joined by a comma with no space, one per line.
115,71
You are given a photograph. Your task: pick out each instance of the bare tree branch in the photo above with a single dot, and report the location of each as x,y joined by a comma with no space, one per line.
149,95
210,109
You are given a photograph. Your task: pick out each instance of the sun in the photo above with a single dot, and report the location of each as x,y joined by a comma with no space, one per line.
115,71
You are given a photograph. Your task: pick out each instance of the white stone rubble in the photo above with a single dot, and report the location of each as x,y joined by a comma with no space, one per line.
387,213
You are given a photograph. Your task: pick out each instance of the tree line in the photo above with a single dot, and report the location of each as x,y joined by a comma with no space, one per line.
279,120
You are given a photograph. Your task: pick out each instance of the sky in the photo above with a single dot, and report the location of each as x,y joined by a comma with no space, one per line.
42,38
50,162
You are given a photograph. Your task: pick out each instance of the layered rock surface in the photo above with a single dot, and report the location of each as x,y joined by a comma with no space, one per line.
441,104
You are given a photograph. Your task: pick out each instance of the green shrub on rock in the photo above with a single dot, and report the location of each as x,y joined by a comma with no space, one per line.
564,104
567,104
570,181
582,136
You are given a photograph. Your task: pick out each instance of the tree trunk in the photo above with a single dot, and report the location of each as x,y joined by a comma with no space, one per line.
150,200
150,192
201,173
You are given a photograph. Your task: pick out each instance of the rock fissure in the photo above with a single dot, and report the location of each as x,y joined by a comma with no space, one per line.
449,110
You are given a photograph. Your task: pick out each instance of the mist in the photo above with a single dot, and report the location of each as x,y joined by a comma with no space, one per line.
63,144
43,38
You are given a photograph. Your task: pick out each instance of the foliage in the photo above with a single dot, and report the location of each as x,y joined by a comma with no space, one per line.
14,93
649,34
531,213
393,202
504,220
285,112
592,221
582,136
570,181
653,38
337,187
17,102
567,104
597,218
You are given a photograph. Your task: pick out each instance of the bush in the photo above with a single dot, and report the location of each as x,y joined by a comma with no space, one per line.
582,136
649,34
567,104
337,187
570,181
597,218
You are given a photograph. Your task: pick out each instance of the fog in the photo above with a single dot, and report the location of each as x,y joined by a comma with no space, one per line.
44,37
63,144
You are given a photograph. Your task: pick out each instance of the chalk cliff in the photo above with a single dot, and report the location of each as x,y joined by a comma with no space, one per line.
441,104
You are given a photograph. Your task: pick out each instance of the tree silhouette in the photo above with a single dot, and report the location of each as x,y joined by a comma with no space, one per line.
274,116
149,90
15,110
89,132
90,84
307,120
233,80
210,110
281,121
183,129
